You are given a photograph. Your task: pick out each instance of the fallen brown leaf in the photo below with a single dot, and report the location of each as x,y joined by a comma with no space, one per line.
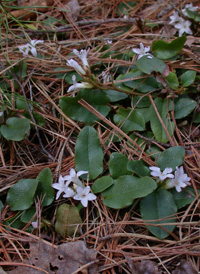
184,268
145,266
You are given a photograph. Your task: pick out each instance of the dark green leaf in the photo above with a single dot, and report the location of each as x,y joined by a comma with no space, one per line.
164,50
126,189
171,157
129,119
15,129
74,110
148,65
102,184
185,197
183,107
44,189
88,153
188,78
139,168
28,215
118,165
20,195
172,80
159,207
114,95
163,107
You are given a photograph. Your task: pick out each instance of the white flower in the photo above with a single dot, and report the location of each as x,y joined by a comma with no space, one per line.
60,186
82,55
189,7
174,17
34,224
84,195
69,192
180,180
30,47
72,63
73,177
107,42
162,175
76,86
142,51
183,26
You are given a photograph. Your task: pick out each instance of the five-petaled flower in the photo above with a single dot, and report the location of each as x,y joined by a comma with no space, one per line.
174,17
82,55
179,181
84,195
77,86
74,177
156,172
72,63
142,51
183,26
188,7
60,186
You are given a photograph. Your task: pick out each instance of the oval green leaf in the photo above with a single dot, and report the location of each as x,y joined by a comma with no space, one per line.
129,119
118,165
171,157
44,189
102,184
163,107
185,197
74,110
138,167
164,50
20,195
15,129
126,189
159,208
188,78
183,107
148,65
88,153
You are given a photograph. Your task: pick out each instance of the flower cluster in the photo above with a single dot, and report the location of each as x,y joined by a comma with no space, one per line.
178,180
78,191
181,24
142,51
30,47
82,55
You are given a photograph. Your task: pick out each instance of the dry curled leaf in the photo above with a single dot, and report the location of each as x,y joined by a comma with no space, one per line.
184,268
145,266
66,258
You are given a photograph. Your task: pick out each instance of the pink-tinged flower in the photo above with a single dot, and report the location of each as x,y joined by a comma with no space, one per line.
82,55
60,186
84,195
72,63
183,26
180,180
189,7
174,17
156,172
142,51
73,177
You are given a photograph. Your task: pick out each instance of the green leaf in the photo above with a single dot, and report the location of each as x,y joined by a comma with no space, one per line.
185,197
20,195
15,129
148,65
102,184
88,153
139,168
172,80
129,119
114,95
183,107
74,110
28,215
188,78
44,188
143,85
126,189
163,107
67,220
164,50
171,157
156,206
118,165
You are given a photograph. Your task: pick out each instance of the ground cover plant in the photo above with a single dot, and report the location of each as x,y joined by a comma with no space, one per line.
99,128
